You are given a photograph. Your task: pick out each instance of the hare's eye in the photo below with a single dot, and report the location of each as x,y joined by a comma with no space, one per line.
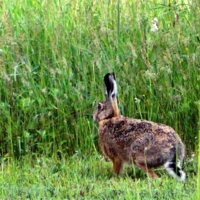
99,106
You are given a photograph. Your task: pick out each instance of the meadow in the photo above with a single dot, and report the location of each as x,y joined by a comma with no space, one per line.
53,56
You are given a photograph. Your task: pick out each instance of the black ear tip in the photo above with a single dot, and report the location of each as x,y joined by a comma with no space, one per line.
108,75
109,80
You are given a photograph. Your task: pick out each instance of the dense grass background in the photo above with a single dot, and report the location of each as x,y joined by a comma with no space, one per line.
53,56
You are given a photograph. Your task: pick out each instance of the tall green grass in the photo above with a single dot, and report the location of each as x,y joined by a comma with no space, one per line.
54,54
198,158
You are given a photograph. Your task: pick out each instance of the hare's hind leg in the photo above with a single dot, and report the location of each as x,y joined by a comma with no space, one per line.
117,166
148,171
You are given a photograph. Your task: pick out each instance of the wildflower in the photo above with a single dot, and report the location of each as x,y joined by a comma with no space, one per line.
44,90
137,100
177,97
166,69
154,25
150,75
192,157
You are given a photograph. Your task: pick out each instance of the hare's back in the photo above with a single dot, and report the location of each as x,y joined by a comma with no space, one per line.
128,130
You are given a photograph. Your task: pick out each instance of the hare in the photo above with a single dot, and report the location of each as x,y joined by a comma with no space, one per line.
135,141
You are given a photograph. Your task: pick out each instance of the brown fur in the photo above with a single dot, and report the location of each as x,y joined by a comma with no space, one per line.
146,144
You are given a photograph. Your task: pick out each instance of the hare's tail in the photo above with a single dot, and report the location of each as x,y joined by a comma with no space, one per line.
174,169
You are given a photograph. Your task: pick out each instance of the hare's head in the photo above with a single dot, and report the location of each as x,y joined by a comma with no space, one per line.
108,108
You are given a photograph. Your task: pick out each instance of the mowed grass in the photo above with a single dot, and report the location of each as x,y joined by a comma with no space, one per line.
88,177
53,56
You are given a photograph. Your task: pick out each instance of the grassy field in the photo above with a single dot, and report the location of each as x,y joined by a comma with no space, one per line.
88,177
53,56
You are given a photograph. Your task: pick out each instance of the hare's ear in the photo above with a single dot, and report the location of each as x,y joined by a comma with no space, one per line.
110,85
111,93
